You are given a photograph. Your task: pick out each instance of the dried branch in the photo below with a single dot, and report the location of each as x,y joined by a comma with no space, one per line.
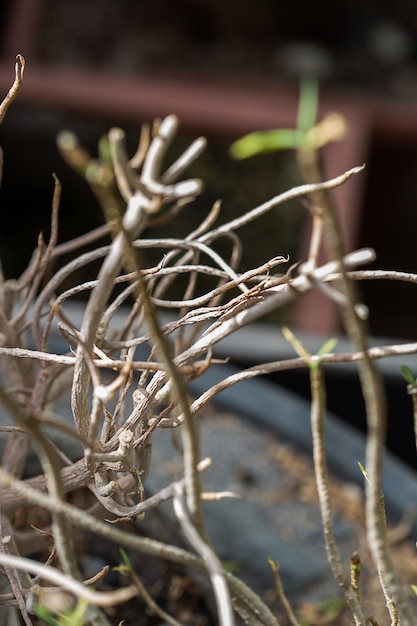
295,192
281,593
8,99
53,575
214,566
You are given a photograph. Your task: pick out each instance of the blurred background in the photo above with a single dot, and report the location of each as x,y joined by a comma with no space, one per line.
226,69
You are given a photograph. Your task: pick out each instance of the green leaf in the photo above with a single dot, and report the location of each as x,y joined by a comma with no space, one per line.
46,616
266,141
74,617
363,470
104,151
127,564
328,346
414,588
408,375
262,142
308,104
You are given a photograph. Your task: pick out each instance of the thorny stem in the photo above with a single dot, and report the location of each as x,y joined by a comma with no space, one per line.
372,390
374,396
150,174
355,574
318,408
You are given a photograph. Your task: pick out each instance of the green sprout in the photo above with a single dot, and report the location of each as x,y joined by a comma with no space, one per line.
312,360
308,135
408,376
72,617
282,138
363,470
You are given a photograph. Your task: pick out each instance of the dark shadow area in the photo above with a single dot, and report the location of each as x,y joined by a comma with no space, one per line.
31,157
389,225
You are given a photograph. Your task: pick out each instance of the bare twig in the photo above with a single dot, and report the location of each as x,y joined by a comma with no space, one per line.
295,192
19,69
53,575
281,593
214,567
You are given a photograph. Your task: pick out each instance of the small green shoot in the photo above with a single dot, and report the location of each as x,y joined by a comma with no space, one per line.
308,104
408,376
126,559
363,470
306,138
327,347
126,567
46,616
104,150
73,617
262,142
312,360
